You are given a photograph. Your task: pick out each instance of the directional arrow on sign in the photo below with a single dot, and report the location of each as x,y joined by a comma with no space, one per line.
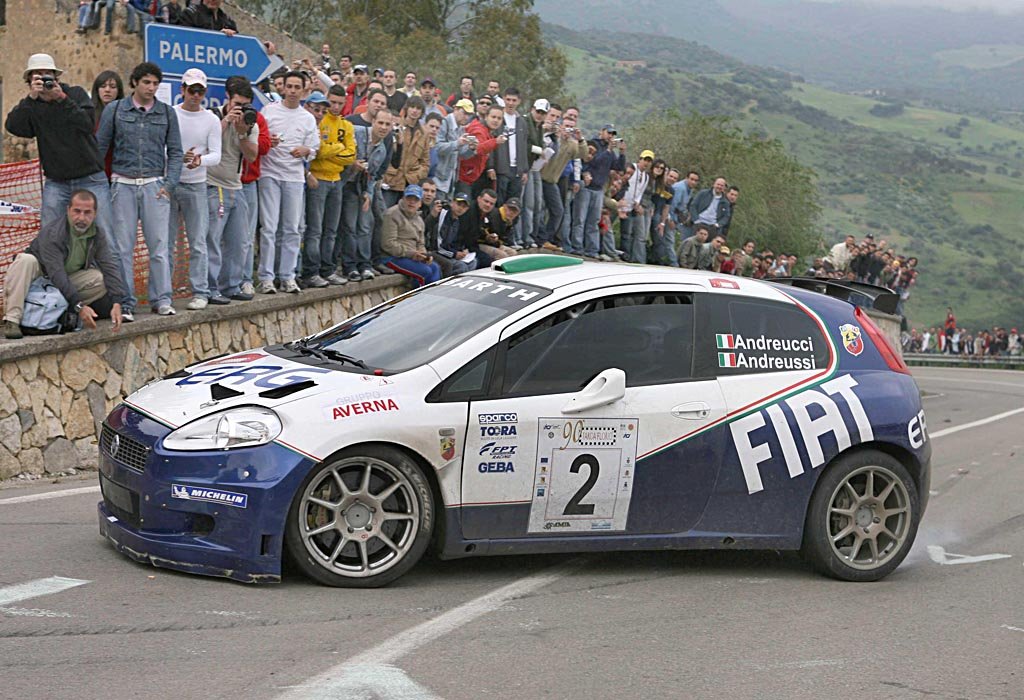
176,49
939,555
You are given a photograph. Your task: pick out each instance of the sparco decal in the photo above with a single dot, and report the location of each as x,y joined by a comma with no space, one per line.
492,418
828,419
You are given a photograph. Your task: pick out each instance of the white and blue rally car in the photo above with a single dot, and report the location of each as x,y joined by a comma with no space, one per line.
542,405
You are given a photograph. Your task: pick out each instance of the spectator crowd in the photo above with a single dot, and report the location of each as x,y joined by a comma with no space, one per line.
349,172
953,339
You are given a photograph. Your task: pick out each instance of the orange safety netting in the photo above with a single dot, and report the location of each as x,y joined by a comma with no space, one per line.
21,186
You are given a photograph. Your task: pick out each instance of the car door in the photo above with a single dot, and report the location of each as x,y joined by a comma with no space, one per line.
594,421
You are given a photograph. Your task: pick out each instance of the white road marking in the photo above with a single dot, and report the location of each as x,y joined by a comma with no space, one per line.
32,612
1012,629
49,494
939,555
39,587
974,424
372,670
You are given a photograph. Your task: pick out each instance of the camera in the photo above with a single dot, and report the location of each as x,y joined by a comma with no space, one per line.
49,82
509,132
617,140
249,114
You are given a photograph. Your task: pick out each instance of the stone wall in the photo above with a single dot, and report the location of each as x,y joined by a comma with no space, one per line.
56,390
48,26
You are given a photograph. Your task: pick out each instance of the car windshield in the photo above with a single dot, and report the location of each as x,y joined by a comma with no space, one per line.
412,330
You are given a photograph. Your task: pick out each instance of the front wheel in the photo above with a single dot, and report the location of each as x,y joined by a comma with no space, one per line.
863,517
361,520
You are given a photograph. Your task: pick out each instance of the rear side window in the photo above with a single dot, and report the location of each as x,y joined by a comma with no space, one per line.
754,336
648,336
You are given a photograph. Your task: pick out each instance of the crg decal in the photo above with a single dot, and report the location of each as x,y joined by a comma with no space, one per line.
262,376
829,419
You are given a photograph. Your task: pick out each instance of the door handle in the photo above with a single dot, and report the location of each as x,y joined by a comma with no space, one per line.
695,410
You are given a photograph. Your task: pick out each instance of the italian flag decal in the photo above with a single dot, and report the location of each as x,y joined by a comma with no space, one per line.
725,340
726,359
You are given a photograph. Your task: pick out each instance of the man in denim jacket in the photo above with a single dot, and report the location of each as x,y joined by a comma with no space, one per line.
146,168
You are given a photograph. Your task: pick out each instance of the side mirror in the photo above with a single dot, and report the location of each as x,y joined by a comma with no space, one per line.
607,387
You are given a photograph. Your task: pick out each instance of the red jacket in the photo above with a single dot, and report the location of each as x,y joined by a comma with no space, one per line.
251,171
470,169
351,102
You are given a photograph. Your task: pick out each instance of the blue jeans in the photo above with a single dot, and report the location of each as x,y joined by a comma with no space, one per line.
280,203
188,204
57,197
634,236
533,209
227,240
131,204
377,207
144,18
585,215
663,246
250,193
553,202
323,215
356,233
419,272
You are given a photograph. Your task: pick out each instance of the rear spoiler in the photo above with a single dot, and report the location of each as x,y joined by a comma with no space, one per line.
861,294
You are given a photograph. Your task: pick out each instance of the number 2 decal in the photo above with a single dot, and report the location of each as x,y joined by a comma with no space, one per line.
574,507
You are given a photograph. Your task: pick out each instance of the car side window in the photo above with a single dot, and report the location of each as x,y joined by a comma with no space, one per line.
470,382
648,336
752,336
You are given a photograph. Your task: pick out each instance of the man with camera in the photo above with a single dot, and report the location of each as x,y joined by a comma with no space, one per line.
452,144
61,119
485,136
568,143
509,160
533,187
228,208
590,198
76,257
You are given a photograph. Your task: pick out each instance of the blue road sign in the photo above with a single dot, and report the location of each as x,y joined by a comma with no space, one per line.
176,49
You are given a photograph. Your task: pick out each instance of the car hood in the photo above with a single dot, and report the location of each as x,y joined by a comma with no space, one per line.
254,377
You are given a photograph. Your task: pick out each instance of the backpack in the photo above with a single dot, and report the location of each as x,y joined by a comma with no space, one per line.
45,308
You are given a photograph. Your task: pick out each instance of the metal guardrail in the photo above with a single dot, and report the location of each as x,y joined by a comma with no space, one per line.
934,359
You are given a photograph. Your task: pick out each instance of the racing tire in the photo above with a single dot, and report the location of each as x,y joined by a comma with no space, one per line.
862,518
362,519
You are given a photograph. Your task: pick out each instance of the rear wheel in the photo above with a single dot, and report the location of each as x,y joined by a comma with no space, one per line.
361,520
862,518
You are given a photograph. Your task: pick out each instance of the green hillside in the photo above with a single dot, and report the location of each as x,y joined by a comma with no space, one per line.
939,185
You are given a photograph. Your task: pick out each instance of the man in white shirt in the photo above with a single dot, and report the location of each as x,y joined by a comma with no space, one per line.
294,139
200,140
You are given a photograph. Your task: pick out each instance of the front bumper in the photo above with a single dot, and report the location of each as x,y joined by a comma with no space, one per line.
151,510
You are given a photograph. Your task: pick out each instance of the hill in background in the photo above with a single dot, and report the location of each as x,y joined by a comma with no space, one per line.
940,185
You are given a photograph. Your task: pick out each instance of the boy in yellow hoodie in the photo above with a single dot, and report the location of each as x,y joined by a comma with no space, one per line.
323,191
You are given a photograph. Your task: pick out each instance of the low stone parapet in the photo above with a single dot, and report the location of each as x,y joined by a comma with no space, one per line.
56,390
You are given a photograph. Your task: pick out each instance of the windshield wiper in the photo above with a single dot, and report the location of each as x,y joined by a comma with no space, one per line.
327,354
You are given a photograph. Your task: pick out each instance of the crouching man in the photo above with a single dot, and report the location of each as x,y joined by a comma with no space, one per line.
74,254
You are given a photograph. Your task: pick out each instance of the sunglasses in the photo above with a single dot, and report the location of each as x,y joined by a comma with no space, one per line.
196,90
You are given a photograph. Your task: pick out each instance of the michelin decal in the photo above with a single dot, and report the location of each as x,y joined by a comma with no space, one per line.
201,493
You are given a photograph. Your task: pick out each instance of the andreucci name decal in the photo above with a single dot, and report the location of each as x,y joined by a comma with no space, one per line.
764,352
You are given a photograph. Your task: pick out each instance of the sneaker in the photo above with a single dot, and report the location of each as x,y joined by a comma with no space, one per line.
247,290
127,316
354,276
551,246
219,300
516,246
316,282
367,275
241,295
337,280
533,245
266,288
12,331
604,258
197,304
165,310
382,269
290,287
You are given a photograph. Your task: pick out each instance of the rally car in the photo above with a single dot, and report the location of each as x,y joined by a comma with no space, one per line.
543,405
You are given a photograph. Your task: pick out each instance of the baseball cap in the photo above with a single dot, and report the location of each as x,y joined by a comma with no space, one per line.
428,80
378,71
542,105
413,191
514,203
724,250
647,154
360,67
461,197
316,97
610,128
193,76
464,105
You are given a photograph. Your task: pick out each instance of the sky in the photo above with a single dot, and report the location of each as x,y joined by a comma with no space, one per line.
1007,6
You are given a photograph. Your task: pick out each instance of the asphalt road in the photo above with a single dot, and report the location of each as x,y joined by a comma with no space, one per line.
639,625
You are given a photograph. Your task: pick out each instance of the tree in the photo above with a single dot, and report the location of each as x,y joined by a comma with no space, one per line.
778,204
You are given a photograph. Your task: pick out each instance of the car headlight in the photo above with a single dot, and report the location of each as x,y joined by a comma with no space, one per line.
246,426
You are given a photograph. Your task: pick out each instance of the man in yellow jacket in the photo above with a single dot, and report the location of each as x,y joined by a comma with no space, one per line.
323,191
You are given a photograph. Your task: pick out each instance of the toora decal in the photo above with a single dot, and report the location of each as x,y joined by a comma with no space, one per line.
852,341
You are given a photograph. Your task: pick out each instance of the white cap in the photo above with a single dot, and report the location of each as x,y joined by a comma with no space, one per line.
542,105
194,76
41,61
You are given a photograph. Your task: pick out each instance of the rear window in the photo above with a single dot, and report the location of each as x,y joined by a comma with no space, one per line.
753,336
